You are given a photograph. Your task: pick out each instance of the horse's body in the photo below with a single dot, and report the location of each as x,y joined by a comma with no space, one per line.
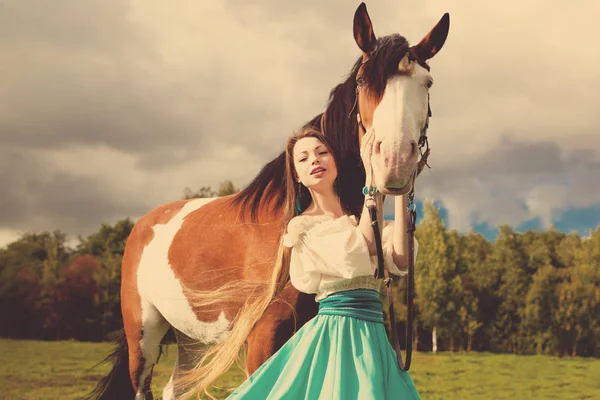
202,244
179,240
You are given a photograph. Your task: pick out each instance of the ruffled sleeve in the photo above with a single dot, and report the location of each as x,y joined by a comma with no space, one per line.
325,246
387,237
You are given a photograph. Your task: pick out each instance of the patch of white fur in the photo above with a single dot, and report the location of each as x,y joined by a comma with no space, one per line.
403,107
169,390
159,286
154,329
398,120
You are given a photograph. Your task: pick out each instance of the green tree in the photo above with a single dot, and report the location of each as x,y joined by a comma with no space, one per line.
108,238
108,246
541,248
509,258
539,323
578,310
225,188
568,249
455,307
77,293
54,261
474,252
203,192
29,273
434,276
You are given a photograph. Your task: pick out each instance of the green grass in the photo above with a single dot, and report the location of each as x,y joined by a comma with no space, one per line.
63,370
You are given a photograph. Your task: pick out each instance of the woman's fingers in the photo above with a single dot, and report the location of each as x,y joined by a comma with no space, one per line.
366,152
367,142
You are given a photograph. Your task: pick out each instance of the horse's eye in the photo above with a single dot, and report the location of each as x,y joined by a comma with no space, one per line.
429,84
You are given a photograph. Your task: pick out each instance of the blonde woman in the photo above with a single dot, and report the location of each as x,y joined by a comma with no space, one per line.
342,353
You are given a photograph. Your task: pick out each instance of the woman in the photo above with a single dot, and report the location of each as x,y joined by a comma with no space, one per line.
343,352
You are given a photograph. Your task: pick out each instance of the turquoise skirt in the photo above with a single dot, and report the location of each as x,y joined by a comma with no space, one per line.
342,353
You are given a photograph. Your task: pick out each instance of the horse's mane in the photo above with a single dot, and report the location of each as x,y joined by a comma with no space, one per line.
341,128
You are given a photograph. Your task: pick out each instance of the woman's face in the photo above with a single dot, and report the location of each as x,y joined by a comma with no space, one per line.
314,163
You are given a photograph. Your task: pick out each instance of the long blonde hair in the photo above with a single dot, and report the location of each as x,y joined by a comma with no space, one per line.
256,296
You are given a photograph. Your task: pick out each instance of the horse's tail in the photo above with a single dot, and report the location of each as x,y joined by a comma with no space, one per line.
117,384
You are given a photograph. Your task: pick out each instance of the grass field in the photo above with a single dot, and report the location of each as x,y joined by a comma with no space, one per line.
62,370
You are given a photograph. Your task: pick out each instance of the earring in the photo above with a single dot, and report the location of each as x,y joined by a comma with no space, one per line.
298,206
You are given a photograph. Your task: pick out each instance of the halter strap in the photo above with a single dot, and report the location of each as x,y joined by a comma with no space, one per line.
381,272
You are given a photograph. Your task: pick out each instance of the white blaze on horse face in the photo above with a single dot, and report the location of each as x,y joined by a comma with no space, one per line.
159,287
398,121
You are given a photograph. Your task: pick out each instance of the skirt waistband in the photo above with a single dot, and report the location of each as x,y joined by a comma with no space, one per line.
358,303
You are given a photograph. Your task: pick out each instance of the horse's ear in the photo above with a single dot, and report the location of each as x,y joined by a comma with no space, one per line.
363,30
432,43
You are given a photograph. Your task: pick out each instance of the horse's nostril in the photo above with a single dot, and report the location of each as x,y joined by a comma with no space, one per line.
377,147
413,148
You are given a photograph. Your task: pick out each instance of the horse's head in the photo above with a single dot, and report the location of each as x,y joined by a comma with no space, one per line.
393,83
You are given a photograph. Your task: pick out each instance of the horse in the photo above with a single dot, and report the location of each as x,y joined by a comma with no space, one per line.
204,243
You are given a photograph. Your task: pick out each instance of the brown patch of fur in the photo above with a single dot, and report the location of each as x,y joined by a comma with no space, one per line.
431,43
363,30
278,324
214,247
368,101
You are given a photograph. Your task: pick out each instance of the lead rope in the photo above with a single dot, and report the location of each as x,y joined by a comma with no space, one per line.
381,272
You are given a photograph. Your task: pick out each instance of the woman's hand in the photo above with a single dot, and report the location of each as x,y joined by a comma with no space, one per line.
366,150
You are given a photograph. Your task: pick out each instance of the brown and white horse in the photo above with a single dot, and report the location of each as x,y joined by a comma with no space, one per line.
203,244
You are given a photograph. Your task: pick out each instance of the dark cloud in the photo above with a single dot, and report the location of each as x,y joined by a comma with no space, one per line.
513,182
83,74
38,195
70,25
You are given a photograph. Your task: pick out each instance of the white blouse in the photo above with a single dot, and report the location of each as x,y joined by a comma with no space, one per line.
331,254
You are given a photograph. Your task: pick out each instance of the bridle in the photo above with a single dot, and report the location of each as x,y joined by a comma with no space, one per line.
381,272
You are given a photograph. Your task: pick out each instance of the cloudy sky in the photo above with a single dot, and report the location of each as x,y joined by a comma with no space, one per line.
112,107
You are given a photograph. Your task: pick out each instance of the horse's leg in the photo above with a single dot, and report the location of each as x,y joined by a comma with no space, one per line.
169,390
189,352
278,324
144,348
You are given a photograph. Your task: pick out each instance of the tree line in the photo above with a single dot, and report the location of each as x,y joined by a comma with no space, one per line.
536,292
50,291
